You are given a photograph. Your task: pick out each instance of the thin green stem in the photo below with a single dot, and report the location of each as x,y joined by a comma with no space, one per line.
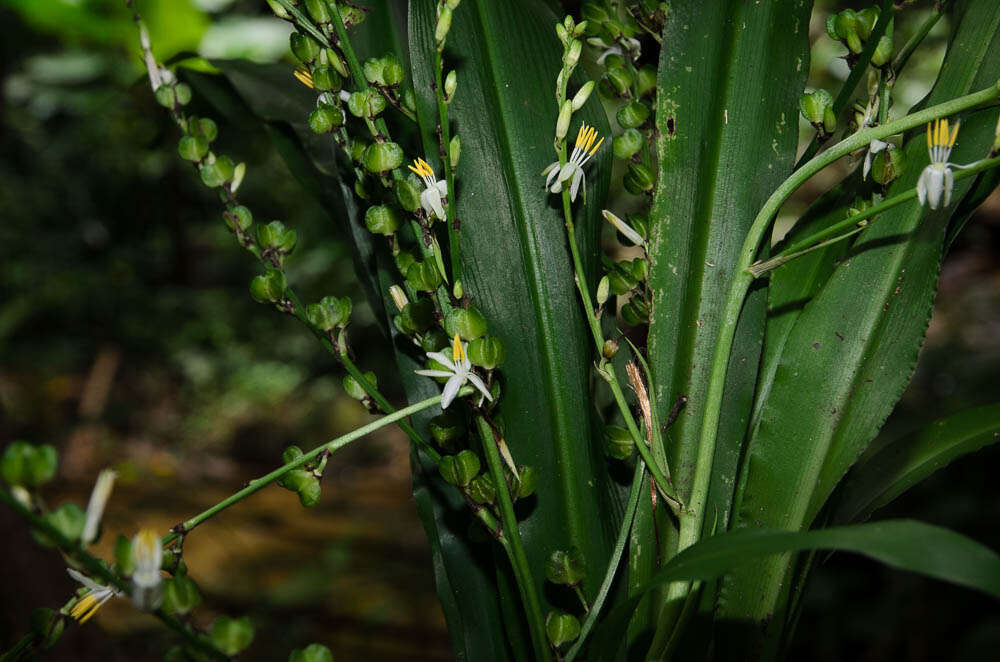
22,647
454,247
329,447
692,518
515,547
609,575
903,56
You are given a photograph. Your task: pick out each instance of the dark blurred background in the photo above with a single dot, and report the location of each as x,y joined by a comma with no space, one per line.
128,339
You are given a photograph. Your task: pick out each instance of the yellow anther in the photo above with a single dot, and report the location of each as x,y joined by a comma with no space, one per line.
930,141
83,610
423,169
305,78
579,134
954,134
457,351
597,145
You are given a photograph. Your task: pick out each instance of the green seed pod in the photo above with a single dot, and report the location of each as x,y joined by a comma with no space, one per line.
217,173
372,69
318,10
482,489
68,519
888,165
844,27
268,287
829,120
382,219
311,653
330,313
331,57
47,625
639,267
626,145
447,429
208,128
326,119
407,194
417,316
351,16
404,260
455,150
183,93
192,148
165,96
450,83
368,104
291,454
28,465
279,10
238,217
275,237
459,469
866,21
610,349
565,567
635,313
621,281
528,481
354,389
357,150
813,106
305,48
392,71
327,79
443,24
618,79
434,341
639,223
382,157
486,352
310,491
883,51
180,595
123,555
561,628
409,100
295,479
633,115
620,444
231,635
639,178
423,276
467,323
647,80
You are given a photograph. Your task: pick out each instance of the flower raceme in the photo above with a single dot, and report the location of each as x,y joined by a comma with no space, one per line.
459,371
558,175
936,181
430,199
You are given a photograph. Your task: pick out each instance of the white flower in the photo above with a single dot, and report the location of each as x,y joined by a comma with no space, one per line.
90,602
430,199
624,228
937,180
875,147
95,507
459,371
573,169
631,44
147,555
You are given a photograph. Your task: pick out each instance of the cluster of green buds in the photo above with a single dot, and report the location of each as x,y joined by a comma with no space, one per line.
853,29
627,278
330,317
304,480
195,146
817,108
569,33
442,24
565,568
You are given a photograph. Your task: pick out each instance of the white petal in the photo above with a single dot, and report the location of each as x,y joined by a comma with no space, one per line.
85,580
443,359
433,373
451,390
935,186
868,165
442,186
614,50
922,186
569,170
478,383
575,187
553,172
949,183
95,507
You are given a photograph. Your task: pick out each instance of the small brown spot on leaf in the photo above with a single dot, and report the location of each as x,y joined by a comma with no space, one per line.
815,345
671,129
838,334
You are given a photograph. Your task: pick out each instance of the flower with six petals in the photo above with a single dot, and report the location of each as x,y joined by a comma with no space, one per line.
459,371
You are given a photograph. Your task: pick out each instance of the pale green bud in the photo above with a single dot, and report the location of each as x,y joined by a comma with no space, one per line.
565,115
573,53
582,95
455,150
443,25
450,83
603,291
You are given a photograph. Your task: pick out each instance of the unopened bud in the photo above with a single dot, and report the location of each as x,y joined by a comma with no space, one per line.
398,297
457,290
238,173
562,123
573,53
623,228
603,291
562,33
610,349
443,25
279,10
582,95
450,83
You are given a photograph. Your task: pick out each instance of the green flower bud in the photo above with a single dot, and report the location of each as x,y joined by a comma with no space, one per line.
392,71
443,24
268,287
408,194
165,96
192,148
561,628
459,469
330,313
279,10
318,10
633,115
423,276
603,291
562,33
47,625
238,217
610,349
620,444
635,312
844,27
218,172
447,429
646,80
326,119
639,178
618,79
582,95
68,519
888,165
455,150
434,341
382,219
309,491
180,595
183,93
568,23
354,389
123,555
482,489
450,83
829,120
883,51
573,53
305,48
562,122
527,482
626,145
813,106
486,352
382,157
467,323
28,465
231,635
565,567
311,653
417,316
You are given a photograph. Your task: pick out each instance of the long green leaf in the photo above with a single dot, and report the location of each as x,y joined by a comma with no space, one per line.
853,348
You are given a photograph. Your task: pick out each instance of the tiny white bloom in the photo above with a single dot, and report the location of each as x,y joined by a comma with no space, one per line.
95,507
624,228
459,371
875,147
558,175
631,44
147,555
430,199
90,602
936,181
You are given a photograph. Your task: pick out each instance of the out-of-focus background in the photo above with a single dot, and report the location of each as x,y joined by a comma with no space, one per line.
128,339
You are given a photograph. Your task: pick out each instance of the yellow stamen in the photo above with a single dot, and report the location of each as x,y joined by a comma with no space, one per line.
423,169
457,351
579,134
954,134
597,145
83,610
305,78
930,142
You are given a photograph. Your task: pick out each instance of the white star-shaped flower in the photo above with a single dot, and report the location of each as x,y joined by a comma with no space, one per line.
558,175
430,199
937,180
459,371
